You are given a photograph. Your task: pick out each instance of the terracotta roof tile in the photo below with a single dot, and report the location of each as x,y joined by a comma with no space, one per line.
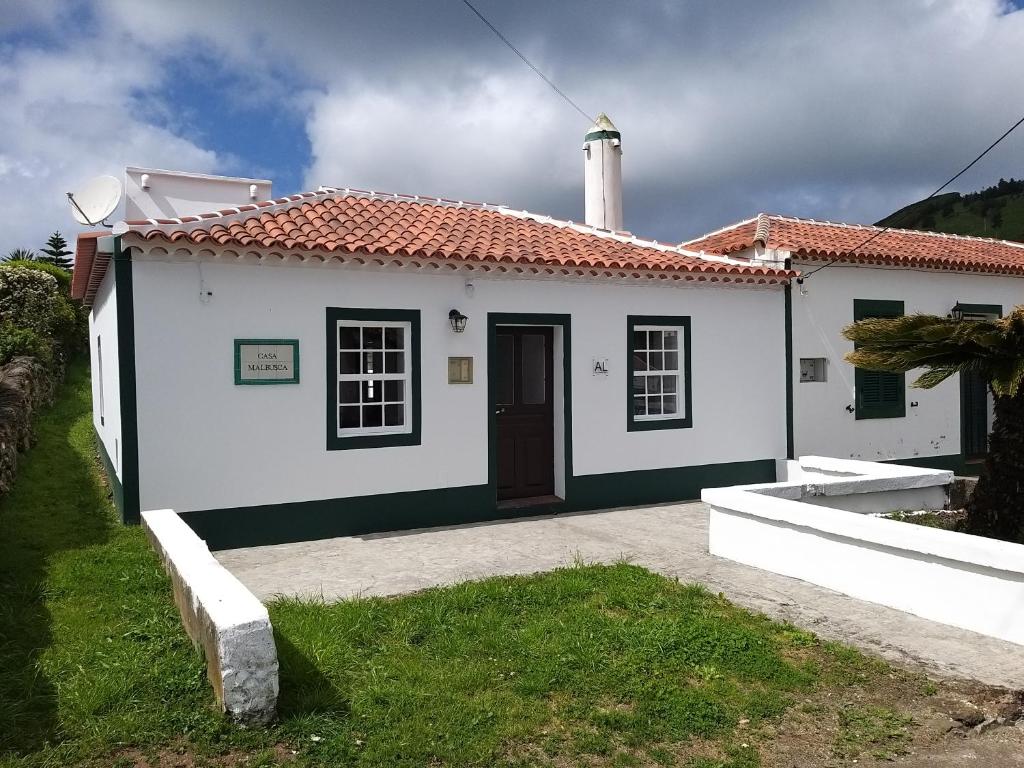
347,222
827,241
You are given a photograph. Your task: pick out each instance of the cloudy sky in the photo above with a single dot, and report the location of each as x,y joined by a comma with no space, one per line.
840,110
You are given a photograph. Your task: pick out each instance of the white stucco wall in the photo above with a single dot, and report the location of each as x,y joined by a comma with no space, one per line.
103,324
207,443
822,425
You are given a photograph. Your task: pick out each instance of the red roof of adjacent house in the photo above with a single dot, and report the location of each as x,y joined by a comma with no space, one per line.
346,225
827,241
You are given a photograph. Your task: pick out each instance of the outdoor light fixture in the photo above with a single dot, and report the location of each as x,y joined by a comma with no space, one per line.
458,321
957,312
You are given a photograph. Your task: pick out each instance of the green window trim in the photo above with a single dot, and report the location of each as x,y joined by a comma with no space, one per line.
685,421
412,437
239,343
879,394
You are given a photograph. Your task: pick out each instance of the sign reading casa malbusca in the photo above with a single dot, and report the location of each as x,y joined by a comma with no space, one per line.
266,361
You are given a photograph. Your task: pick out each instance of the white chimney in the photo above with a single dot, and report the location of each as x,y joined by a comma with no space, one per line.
602,147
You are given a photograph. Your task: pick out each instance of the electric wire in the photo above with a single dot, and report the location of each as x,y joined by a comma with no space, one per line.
885,229
526,61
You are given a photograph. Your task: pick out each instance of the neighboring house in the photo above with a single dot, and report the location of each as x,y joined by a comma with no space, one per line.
837,410
419,362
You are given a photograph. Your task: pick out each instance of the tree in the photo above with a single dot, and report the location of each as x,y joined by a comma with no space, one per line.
56,252
945,346
20,254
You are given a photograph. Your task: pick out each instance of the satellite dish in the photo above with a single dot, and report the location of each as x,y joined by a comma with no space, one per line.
96,200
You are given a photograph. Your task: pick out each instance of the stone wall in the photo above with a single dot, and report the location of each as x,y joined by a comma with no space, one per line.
26,385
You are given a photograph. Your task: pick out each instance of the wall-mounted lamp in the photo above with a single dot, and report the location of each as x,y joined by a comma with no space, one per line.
957,312
144,181
458,321
253,191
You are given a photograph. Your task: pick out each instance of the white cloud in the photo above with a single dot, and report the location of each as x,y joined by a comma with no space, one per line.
834,110
68,116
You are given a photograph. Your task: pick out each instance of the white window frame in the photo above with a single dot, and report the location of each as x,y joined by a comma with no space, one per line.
678,371
405,377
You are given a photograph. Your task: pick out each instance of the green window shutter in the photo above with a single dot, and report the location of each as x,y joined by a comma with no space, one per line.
879,395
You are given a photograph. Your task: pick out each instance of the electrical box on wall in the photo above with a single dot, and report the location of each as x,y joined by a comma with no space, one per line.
812,369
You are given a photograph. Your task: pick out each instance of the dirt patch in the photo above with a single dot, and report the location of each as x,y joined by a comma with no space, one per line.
902,717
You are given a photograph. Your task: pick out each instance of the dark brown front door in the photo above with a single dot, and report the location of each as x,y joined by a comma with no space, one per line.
524,415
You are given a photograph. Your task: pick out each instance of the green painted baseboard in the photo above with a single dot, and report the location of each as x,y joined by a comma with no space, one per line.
115,484
360,515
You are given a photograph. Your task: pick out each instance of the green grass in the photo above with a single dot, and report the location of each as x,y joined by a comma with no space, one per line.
611,666
879,731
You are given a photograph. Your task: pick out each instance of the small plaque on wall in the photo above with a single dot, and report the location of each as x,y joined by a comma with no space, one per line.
460,370
266,361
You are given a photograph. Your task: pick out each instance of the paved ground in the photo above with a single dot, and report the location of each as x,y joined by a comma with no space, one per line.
671,540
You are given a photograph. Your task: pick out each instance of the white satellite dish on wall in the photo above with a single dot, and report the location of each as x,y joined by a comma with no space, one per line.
96,200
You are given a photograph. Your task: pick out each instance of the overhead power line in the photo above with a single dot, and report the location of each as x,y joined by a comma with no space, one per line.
526,61
885,229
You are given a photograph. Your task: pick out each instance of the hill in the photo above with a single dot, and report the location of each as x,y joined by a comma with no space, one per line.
997,211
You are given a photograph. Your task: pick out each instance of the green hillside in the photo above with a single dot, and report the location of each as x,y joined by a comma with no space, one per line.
997,211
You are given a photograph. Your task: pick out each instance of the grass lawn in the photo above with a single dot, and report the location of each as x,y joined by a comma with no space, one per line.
591,665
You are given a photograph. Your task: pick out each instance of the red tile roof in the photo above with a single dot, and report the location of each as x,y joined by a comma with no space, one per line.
845,243
348,225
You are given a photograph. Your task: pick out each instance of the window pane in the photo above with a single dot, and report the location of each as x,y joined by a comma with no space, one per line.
348,337
638,385
639,406
654,340
534,368
373,391
349,392
348,417
654,361
639,361
654,405
394,338
669,404
372,415
668,383
394,391
671,361
671,339
394,415
394,362
505,369
373,338
348,362
639,339
653,385
373,362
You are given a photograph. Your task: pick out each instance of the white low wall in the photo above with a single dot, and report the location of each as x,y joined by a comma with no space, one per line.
222,617
954,578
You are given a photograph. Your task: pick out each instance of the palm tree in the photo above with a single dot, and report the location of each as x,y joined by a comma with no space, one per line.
944,346
20,254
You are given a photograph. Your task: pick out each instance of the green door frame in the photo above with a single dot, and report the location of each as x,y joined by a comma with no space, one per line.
981,309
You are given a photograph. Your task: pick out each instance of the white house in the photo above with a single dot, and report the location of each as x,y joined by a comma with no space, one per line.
342,362
850,272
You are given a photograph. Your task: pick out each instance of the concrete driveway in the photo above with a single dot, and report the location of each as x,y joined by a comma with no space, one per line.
671,540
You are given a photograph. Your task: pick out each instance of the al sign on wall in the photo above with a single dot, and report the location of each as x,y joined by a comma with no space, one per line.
266,361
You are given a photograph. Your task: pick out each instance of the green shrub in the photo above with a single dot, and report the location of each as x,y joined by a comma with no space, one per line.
32,299
62,276
15,341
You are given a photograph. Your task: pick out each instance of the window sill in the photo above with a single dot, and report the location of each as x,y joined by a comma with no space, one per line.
335,443
647,426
